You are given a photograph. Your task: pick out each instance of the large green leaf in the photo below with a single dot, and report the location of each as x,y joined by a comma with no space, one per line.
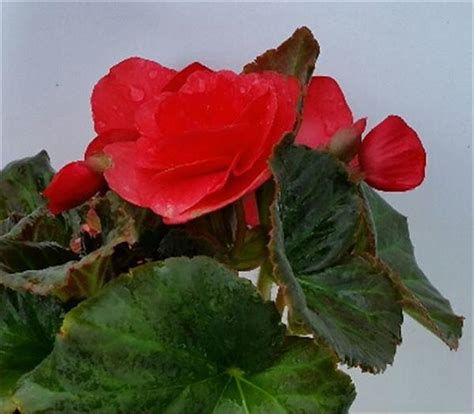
421,299
341,295
28,325
182,336
21,183
296,57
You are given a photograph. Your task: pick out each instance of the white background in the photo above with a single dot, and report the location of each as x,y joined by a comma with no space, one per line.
408,59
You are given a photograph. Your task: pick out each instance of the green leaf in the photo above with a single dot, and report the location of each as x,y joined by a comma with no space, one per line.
45,267
296,57
42,226
420,298
345,298
28,325
21,184
181,336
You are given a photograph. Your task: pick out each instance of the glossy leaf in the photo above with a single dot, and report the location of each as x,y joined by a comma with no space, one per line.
28,325
420,298
341,296
21,183
184,335
296,57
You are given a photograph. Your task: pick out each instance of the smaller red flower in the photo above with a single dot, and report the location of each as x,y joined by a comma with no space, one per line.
74,184
390,158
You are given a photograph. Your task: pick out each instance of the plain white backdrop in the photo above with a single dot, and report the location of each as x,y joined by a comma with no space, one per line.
408,59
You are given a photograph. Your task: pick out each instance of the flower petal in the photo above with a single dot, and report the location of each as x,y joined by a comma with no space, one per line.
235,188
392,156
72,185
252,217
325,112
109,137
180,188
182,76
117,96
129,182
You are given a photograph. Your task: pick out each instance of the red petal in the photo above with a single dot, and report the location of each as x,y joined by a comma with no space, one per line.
74,184
109,137
181,77
235,188
178,189
287,93
117,96
325,111
392,156
123,177
251,209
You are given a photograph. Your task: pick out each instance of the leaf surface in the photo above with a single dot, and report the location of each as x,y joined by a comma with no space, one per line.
341,295
21,184
28,325
183,335
421,299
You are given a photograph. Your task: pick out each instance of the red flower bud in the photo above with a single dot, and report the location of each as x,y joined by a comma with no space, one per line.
74,184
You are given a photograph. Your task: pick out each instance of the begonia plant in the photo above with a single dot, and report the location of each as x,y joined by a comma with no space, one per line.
120,289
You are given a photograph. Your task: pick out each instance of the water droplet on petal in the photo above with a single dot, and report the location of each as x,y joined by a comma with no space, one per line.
136,94
153,74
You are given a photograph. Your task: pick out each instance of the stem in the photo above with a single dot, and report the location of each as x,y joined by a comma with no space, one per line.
265,280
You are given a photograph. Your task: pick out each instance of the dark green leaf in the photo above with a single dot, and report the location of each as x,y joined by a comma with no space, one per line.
21,183
319,207
48,268
182,336
28,325
344,298
420,298
42,226
296,57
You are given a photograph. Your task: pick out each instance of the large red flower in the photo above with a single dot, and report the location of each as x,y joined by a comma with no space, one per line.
204,145
190,142
391,157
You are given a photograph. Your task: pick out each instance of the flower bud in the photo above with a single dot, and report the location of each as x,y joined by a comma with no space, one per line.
74,184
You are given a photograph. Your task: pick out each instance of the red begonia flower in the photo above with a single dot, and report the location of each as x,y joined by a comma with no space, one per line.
390,158
74,184
205,145
118,95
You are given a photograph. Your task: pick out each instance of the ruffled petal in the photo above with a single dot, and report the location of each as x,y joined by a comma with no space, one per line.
392,156
325,112
72,185
182,76
180,188
235,188
106,138
118,95
123,177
